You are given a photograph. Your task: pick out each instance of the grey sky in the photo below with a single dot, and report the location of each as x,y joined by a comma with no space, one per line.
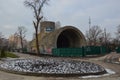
105,13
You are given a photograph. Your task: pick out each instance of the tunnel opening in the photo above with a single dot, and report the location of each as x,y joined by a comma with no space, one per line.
68,39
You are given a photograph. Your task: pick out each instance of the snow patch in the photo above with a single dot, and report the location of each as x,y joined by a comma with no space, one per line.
109,72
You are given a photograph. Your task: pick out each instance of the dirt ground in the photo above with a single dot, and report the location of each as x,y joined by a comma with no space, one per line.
98,60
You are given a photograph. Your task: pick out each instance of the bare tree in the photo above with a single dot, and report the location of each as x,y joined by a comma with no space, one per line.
1,37
21,34
3,42
118,34
0,34
36,6
105,39
13,43
93,35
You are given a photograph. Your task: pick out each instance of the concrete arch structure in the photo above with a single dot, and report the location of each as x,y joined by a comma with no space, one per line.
69,37
64,37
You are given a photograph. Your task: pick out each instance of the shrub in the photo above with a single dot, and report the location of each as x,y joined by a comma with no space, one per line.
3,55
9,54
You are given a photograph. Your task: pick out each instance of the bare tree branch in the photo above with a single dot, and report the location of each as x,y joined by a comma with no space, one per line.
21,34
93,35
36,6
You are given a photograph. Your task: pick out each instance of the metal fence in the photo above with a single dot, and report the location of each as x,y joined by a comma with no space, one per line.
80,52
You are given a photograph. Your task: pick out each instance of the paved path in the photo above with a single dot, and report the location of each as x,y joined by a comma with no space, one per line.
114,67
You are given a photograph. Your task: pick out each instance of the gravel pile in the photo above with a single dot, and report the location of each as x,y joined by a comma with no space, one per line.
51,66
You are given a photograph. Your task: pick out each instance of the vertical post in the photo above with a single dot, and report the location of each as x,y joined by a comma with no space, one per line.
89,28
106,45
105,36
89,23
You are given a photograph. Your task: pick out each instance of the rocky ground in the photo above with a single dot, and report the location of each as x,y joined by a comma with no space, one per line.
98,60
52,66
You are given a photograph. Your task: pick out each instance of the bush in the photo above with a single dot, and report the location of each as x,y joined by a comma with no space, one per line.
3,54
9,54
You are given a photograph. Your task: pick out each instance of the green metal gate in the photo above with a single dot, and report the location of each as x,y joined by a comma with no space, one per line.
79,52
68,52
95,50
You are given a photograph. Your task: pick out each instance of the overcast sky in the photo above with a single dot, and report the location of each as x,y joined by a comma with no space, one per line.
104,13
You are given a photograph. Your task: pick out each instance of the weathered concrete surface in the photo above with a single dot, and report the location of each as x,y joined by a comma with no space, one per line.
71,33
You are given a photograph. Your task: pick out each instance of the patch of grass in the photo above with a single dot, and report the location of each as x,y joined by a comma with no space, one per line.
4,54
10,54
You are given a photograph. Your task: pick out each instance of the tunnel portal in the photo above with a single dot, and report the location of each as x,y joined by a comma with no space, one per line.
68,39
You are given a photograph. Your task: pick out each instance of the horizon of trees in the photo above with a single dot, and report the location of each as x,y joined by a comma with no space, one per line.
95,36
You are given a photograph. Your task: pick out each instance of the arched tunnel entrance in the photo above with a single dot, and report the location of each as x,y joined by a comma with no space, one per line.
68,38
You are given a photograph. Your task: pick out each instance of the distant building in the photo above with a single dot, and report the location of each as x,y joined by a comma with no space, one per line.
15,42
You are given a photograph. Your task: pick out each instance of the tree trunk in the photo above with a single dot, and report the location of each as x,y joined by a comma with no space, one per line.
37,43
22,44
